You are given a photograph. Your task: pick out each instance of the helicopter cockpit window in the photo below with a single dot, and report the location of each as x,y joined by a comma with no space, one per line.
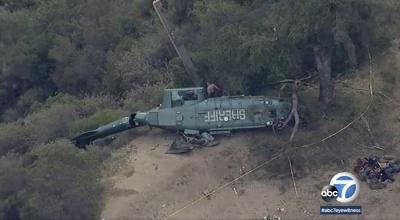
177,100
179,97
188,95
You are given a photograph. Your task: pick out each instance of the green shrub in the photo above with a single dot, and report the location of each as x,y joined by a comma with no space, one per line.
85,106
15,137
60,99
59,117
93,103
52,123
29,100
64,183
12,181
143,98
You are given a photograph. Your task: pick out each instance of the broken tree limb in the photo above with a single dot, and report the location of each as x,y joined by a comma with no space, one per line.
296,122
372,147
285,81
294,182
294,111
281,89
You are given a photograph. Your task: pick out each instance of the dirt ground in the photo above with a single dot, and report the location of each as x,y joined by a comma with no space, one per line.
149,184
161,184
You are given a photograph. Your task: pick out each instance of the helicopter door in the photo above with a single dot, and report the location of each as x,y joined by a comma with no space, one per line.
179,116
256,112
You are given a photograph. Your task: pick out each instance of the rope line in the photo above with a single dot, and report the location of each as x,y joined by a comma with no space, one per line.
278,155
225,185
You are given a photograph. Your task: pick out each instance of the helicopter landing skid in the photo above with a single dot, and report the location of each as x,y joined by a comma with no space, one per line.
185,143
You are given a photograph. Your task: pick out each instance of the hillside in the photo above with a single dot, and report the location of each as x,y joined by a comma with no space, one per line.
145,183
69,66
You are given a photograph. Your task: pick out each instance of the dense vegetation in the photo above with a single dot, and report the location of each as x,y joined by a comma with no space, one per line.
71,65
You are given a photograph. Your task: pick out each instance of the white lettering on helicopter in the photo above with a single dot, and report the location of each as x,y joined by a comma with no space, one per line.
225,115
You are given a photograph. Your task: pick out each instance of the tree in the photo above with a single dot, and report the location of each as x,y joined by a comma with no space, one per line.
64,183
13,180
322,30
235,45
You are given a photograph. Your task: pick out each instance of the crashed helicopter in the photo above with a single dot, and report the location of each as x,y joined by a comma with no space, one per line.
196,116
190,111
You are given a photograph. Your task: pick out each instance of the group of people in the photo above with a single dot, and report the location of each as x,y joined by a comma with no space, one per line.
375,170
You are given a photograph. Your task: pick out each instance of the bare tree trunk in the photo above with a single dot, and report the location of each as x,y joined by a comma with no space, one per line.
326,86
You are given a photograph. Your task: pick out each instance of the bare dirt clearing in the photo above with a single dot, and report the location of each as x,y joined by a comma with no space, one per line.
162,184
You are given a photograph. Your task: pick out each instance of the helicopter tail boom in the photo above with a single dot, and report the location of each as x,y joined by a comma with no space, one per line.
114,127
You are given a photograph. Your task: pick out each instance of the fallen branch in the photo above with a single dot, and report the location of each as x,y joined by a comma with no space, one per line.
295,115
379,148
294,183
372,147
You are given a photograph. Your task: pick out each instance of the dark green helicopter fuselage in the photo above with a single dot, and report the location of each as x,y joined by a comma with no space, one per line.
188,110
